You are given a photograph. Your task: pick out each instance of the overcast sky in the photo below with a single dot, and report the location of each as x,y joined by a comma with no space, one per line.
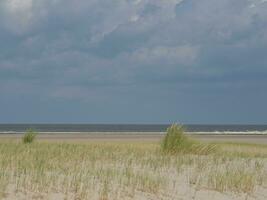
133,61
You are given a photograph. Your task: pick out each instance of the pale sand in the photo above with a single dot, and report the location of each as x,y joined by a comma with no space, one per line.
183,192
140,137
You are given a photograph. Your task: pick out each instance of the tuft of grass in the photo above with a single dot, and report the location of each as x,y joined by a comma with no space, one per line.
29,136
96,171
175,141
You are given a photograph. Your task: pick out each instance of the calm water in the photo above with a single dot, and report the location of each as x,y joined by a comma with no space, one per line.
14,128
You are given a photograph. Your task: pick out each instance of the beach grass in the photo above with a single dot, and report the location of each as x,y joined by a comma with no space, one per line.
29,136
114,170
176,141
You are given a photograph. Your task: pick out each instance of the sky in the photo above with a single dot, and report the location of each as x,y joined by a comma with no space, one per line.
133,61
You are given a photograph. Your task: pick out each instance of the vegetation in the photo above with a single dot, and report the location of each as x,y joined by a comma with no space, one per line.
175,141
29,136
127,170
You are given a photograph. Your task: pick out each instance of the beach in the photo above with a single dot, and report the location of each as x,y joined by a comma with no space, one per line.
241,137
132,166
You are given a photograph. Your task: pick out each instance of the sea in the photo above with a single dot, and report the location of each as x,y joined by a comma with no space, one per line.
128,128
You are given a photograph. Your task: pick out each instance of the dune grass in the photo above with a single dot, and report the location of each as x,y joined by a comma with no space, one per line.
124,171
176,141
29,136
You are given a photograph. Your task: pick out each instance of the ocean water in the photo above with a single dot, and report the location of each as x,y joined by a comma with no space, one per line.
71,128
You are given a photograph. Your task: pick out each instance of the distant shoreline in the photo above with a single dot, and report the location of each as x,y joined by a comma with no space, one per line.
132,128
137,137
142,132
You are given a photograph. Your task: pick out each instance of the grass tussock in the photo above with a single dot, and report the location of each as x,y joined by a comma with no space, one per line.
125,171
29,136
176,141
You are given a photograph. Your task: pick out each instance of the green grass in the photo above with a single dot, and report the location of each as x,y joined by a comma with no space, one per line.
125,170
176,141
29,136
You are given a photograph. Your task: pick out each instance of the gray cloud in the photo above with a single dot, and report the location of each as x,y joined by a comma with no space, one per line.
64,49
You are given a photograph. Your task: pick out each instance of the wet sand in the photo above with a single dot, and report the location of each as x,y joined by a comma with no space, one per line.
139,137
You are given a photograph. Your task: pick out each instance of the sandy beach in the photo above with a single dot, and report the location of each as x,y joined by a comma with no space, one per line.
141,136
132,165
116,166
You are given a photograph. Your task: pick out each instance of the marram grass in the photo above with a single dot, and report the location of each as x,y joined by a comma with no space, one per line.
123,171
29,136
176,141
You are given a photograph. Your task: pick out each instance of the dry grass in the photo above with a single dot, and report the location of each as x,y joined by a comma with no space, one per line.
124,170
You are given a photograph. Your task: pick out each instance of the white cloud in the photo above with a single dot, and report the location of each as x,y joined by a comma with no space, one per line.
134,18
165,55
18,14
15,6
102,17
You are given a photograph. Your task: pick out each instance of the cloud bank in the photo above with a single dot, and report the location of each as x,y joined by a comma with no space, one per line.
163,60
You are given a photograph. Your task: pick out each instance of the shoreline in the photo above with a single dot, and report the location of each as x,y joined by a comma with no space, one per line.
136,137
140,132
